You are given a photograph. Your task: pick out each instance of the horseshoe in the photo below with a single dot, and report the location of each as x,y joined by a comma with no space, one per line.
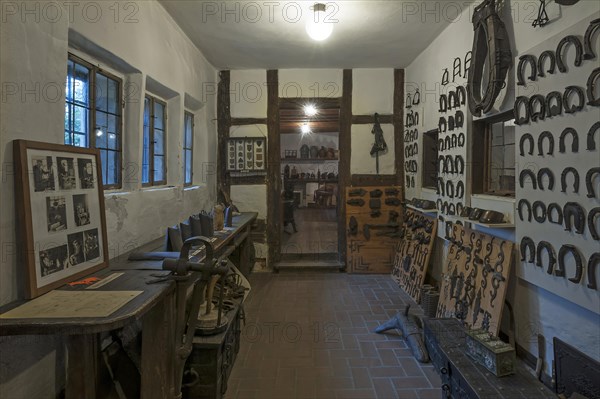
571,109
523,61
578,262
591,270
587,39
539,205
551,257
459,119
460,188
527,173
491,46
563,179
591,144
456,69
542,58
591,88
571,39
575,210
459,160
448,143
574,143
520,209
550,137
453,100
441,187
443,123
450,165
416,98
555,206
408,101
461,140
445,77
461,94
526,244
450,189
443,103
451,123
545,172
534,115
592,223
521,120
529,138
554,109
454,140
589,181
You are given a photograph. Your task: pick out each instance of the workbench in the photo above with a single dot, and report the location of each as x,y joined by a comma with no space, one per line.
154,307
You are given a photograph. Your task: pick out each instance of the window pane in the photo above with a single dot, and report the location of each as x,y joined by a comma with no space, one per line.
69,82
101,129
159,113
159,174
113,168
188,166
82,84
159,142
188,131
113,97
101,92
103,158
146,143
113,132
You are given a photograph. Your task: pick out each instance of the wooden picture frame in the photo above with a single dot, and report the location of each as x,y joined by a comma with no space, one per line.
61,222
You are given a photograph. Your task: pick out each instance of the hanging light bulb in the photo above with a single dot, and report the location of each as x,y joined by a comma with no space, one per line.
99,132
317,28
310,110
305,129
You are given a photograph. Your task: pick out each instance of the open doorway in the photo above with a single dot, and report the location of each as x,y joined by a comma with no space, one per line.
310,197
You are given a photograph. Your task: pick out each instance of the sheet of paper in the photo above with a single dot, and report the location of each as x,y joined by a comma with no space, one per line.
104,281
64,304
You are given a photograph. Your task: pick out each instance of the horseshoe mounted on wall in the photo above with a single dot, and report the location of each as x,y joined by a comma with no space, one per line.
459,160
589,181
450,164
555,207
529,138
563,179
416,98
545,245
453,100
534,115
520,209
591,144
460,189
459,119
554,109
448,143
450,189
527,244
571,39
441,188
548,54
571,109
591,88
591,270
443,103
521,102
550,137
461,140
574,143
525,60
567,248
539,217
454,140
592,215
573,209
442,123
456,69
592,28
451,123
540,177
445,77
491,44
461,94
527,173
408,101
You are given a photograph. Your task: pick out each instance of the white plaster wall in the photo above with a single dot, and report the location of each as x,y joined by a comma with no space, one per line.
372,91
33,57
361,162
535,308
248,131
251,198
248,93
310,83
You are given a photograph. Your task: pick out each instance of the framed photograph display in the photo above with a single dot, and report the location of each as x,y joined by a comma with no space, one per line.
61,225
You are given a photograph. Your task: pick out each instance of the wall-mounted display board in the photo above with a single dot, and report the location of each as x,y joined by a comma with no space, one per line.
413,252
413,120
246,155
558,188
474,278
374,218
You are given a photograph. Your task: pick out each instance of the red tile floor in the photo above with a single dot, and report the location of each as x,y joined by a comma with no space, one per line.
310,335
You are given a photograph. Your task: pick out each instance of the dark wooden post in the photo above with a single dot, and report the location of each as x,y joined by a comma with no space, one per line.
273,168
399,126
345,145
223,126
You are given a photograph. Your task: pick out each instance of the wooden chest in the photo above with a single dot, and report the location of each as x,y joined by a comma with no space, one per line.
211,361
464,378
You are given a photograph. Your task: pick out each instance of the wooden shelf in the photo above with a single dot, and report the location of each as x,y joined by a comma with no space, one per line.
308,160
475,222
432,210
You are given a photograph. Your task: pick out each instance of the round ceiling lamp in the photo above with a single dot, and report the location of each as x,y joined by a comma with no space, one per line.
310,110
317,28
305,129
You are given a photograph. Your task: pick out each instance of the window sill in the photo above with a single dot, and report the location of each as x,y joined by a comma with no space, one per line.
116,193
157,188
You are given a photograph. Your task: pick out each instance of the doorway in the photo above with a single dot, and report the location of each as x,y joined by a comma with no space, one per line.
309,144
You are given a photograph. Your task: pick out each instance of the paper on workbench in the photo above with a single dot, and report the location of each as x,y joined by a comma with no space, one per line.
65,304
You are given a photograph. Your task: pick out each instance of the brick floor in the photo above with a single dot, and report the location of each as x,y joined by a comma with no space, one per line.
310,335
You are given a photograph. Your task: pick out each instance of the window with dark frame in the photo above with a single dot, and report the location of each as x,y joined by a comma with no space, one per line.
188,148
154,168
93,115
496,135
430,156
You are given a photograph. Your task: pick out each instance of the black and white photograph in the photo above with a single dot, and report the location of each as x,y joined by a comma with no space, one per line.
43,177
91,247
53,260
81,210
75,242
86,173
56,214
66,173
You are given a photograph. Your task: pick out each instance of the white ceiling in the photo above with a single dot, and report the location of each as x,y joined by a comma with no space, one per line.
271,34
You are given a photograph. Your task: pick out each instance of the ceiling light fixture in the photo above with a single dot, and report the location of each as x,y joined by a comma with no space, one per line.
317,27
305,129
310,110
